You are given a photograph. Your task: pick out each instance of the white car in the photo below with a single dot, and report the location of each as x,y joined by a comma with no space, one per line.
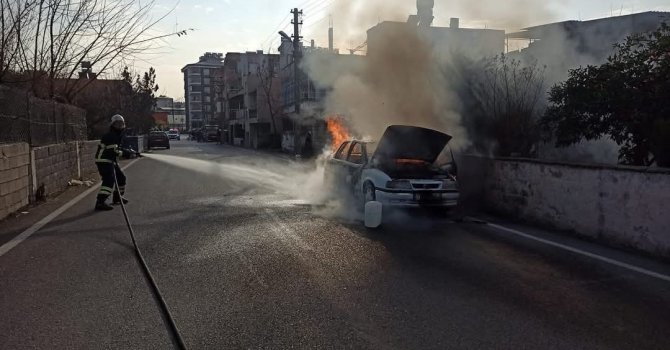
409,167
174,135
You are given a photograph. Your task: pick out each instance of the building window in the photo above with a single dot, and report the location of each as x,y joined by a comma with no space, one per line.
206,81
193,70
207,89
205,71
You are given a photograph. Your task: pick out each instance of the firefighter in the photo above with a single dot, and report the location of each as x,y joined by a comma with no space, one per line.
105,158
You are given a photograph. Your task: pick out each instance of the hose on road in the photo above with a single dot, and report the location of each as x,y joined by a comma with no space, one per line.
172,326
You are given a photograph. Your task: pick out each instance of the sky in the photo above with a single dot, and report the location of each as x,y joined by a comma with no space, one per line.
249,25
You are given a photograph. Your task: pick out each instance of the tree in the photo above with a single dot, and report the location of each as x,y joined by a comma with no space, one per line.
269,81
132,96
502,103
45,40
142,98
626,98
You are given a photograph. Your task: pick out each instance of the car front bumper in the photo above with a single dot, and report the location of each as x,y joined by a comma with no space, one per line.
418,199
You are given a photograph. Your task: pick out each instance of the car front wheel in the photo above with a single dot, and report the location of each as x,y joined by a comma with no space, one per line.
369,193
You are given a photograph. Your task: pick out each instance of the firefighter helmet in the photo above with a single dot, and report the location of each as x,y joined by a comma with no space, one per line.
117,118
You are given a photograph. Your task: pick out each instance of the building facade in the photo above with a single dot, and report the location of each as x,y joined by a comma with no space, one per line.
199,90
174,111
250,99
471,42
566,45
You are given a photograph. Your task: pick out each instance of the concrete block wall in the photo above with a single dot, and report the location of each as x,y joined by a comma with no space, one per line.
14,177
56,165
87,151
621,206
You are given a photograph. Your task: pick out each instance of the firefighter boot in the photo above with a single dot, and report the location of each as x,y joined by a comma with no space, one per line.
118,198
101,205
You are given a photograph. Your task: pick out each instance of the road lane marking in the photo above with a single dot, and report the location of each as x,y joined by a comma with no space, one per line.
38,226
584,253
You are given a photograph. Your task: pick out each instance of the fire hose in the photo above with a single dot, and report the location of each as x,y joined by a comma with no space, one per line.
172,326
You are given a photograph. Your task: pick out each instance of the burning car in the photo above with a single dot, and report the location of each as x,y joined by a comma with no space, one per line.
409,167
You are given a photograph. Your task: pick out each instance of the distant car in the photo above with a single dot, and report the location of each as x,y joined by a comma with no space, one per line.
158,139
409,167
174,135
210,133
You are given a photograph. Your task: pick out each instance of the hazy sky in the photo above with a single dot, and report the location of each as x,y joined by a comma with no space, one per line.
244,25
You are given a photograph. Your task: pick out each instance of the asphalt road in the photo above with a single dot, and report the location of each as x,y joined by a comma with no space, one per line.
244,261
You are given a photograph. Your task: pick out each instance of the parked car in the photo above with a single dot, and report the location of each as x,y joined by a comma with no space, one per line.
210,133
174,135
158,139
409,167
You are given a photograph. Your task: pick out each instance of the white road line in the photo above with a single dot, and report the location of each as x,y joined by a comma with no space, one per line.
36,227
584,253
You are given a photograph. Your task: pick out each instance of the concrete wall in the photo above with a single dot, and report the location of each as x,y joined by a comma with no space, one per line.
87,151
622,206
56,165
14,177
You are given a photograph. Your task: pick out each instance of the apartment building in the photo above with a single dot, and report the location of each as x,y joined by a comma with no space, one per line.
200,83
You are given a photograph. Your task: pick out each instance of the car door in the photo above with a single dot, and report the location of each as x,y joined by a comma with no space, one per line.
354,164
336,172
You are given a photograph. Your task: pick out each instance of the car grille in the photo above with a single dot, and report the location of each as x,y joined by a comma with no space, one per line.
426,186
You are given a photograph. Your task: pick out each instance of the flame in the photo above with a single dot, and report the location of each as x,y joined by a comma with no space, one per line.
338,132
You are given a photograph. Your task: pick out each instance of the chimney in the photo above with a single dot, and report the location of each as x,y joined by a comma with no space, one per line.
454,24
330,38
312,43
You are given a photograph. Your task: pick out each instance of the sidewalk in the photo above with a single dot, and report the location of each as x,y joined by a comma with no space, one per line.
18,222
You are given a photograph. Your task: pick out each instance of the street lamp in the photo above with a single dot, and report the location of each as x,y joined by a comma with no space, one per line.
296,71
296,79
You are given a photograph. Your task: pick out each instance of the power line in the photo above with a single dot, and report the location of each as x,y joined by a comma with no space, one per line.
311,24
316,5
274,32
275,38
307,3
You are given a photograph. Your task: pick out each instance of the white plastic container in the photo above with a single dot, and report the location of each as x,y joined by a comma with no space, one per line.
373,214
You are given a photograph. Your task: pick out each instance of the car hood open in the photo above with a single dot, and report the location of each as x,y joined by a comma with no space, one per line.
411,142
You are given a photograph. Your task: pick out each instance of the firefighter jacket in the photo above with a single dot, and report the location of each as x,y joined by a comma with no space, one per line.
110,147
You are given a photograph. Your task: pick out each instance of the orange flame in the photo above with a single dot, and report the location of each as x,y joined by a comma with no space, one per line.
338,132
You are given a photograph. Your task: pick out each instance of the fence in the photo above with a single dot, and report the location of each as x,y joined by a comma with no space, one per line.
24,118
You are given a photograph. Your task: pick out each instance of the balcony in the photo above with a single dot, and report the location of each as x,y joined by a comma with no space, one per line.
238,114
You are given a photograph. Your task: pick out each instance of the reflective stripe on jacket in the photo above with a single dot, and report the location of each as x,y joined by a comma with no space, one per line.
109,147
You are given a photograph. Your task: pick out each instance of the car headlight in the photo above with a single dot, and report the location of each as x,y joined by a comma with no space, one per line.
399,185
449,184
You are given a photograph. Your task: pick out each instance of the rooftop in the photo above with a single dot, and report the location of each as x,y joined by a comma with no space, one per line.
537,32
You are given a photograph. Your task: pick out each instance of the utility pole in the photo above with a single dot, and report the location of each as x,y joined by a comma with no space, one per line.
297,55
